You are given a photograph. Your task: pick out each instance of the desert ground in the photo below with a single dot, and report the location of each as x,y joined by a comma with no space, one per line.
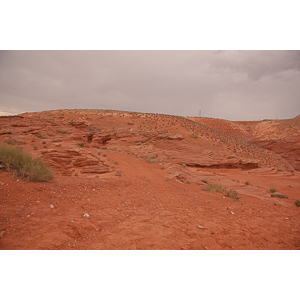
126,180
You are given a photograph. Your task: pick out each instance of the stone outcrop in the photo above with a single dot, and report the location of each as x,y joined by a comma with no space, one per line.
65,160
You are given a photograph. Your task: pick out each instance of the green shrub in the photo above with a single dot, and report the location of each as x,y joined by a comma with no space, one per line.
273,190
247,183
297,203
80,144
24,165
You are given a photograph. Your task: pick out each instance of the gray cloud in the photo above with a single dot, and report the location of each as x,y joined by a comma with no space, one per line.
235,85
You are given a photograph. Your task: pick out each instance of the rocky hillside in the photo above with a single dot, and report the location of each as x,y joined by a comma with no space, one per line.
279,136
75,141
126,180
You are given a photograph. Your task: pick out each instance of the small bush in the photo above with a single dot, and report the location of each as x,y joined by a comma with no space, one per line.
232,194
279,195
297,203
247,183
212,187
11,141
273,190
24,165
220,189
118,173
80,144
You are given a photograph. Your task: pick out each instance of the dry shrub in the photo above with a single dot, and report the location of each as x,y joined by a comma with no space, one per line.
24,165
220,189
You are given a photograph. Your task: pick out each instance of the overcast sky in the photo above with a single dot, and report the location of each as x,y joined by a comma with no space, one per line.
233,85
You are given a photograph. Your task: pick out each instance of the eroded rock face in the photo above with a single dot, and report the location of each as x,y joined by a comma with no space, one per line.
279,136
97,169
64,160
288,148
224,164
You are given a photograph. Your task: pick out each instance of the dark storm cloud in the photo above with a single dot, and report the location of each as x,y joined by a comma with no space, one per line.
233,85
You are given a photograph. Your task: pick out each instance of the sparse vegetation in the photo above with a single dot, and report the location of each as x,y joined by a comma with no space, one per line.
81,144
273,190
118,173
247,182
147,159
14,141
232,194
212,187
297,203
194,136
24,165
279,195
